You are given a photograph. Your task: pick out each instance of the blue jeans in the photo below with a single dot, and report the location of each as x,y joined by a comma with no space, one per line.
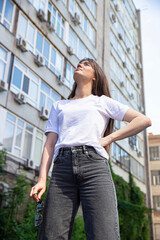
80,175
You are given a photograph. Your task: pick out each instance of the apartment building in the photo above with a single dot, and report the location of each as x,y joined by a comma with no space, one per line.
40,45
154,156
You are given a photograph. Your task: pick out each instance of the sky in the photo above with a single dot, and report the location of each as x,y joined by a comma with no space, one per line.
150,33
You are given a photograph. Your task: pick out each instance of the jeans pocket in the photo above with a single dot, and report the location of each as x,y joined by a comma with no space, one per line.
94,156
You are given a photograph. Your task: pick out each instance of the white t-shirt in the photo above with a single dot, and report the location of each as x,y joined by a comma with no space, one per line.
83,121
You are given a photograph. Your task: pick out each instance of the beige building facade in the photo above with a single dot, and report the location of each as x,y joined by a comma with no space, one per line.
154,153
40,45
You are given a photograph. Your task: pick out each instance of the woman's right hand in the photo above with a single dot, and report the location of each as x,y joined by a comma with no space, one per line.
38,190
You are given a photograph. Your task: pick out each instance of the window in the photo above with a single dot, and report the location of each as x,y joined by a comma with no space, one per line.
155,177
47,96
92,6
6,13
38,44
69,75
3,63
154,153
156,203
25,81
55,17
21,137
133,141
39,4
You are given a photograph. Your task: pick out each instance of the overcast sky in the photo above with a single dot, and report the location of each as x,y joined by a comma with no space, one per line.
150,26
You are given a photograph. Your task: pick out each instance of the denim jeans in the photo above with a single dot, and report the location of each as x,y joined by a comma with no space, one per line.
80,175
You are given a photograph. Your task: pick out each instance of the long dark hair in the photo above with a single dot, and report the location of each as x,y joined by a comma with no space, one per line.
99,87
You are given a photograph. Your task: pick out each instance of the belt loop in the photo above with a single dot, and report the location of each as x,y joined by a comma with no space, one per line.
85,149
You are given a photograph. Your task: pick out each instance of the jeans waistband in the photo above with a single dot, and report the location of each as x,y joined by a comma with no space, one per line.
82,148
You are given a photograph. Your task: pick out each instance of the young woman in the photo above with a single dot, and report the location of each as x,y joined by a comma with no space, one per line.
79,133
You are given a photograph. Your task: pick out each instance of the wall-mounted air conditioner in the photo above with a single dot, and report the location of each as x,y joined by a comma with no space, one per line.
132,76
139,65
124,64
139,153
120,36
60,79
76,19
44,113
70,50
117,8
137,84
3,86
137,46
41,15
51,26
129,50
82,0
135,24
29,164
22,44
20,98
122,83
39,60
114,18
131,95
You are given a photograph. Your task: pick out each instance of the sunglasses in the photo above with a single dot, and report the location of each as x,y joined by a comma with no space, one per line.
39,213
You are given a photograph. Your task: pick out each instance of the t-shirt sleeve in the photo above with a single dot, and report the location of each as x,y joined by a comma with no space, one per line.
52,123
113,108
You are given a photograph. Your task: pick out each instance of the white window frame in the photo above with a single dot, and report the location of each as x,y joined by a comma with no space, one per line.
13,15
7,62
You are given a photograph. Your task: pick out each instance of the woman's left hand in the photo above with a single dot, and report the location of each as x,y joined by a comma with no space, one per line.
105,141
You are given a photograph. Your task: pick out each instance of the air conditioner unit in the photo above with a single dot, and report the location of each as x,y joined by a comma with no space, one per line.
139,65
137,46
132,76
44,113
131,95
70,50
120,36
139,154
76,19
60,79
113,18
3,86
41,15
22,44
129,50
39,60
135,24
122,83
82,0
51,26
29,164
138,86
20,98
124,64
117,8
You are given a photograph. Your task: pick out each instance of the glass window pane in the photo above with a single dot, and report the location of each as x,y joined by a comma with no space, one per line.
8,11
1,5
18,137
31,32
22,26
53,56
8,136
39,42
27,145
25,84
59,63
33,90
42,101
49,103
20,123
17,77
2,69
3,54
29,127
46,49
37,151
11,117
45,88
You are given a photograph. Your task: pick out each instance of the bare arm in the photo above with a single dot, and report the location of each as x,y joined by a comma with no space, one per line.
137,123
46,160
